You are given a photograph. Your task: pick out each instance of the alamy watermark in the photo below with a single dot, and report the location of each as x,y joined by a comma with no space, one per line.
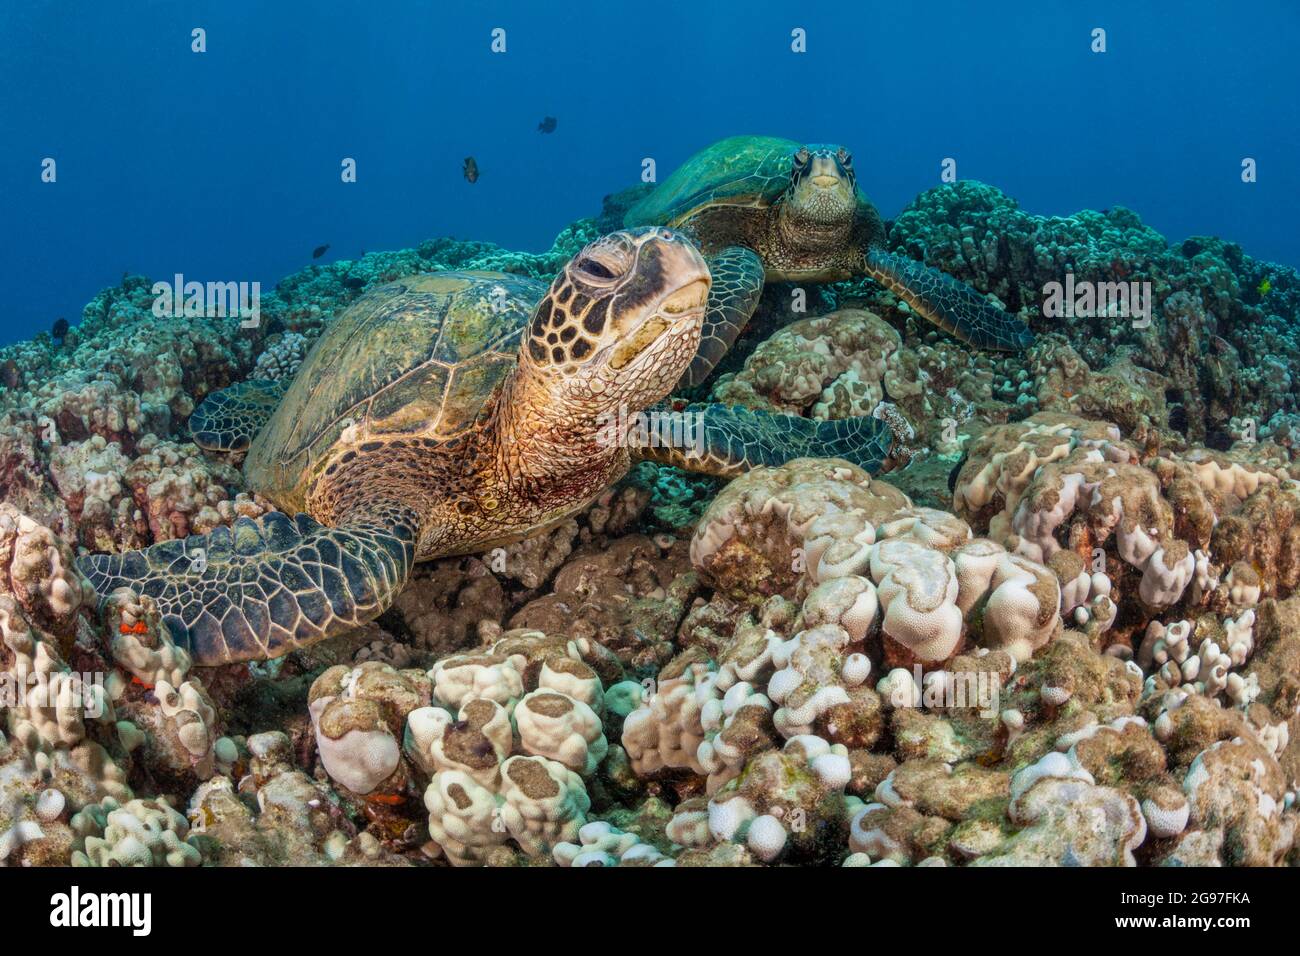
981,690
61,690
1085,299
75,909
652,429
179,299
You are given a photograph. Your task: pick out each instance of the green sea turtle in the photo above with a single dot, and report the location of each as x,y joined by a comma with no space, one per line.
452,413
799,211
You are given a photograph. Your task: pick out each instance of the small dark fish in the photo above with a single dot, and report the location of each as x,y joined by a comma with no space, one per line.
956,470
353,282
9,374
320,251
59,329
547,125
471,169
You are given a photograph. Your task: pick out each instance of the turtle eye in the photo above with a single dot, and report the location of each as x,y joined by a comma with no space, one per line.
845,158
604,260
802,156
594,267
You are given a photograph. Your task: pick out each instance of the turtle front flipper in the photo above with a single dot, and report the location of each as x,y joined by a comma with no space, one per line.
737,284
947,302
728,440
263,587
228,420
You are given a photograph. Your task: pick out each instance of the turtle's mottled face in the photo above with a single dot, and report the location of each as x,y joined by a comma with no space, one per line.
622,322
823,186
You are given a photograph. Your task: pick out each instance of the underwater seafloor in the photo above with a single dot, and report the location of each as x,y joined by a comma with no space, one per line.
713,712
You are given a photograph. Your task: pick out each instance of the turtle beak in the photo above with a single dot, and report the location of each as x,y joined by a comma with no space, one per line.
825,173
687,279
687,300
679,312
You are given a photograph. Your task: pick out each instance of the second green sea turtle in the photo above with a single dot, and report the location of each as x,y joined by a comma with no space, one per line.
795,212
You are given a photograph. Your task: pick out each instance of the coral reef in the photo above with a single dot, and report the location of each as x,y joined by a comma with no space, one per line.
1223,350
1065,630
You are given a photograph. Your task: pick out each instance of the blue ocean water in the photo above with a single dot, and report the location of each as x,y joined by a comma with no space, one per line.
225,165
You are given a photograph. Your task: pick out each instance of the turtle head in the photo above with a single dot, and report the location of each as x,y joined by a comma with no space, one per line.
622,322
823,187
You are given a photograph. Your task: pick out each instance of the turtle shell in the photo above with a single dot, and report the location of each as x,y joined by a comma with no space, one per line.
417,357
740,170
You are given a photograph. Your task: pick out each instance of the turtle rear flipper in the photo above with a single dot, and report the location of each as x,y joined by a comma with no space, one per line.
737,283
263,587
727,440
229,419
947,302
